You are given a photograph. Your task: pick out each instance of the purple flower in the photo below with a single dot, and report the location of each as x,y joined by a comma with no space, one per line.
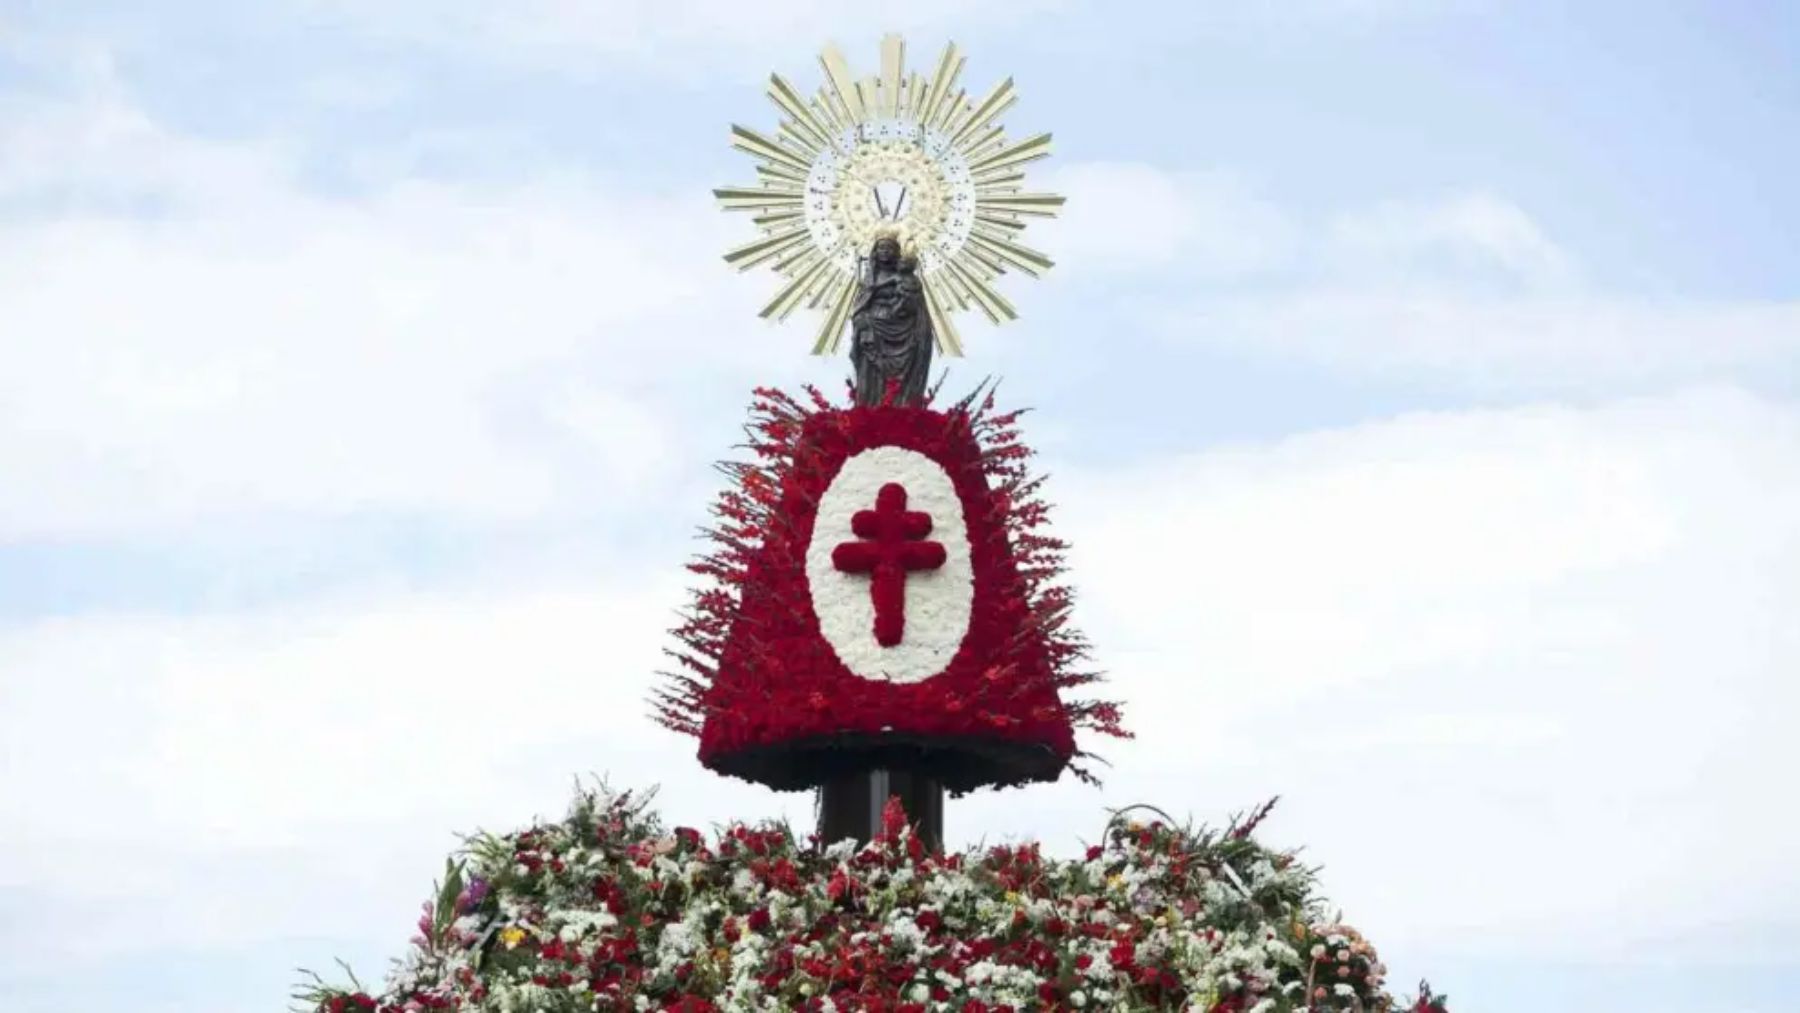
472,895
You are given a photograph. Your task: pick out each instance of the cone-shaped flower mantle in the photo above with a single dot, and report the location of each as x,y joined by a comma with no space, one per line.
881,594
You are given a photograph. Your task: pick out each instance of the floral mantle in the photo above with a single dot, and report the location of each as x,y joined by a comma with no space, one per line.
608,910
772,678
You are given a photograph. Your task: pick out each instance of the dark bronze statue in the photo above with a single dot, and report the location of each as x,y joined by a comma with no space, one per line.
890,328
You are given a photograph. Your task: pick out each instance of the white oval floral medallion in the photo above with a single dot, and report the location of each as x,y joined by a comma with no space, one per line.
937,599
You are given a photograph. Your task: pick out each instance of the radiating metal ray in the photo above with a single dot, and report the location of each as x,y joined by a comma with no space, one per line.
951,110
1022,257
818,163
780,173
1041,205
1028,150
953,287
868,88
943,78
1008,226
766,248
893,56
794,105
832,328
837,71
790,296
981,263
791,133
1005,183
770,219
824,107
996,102
991,302
750,142
793,260
752,198
983,144
949,342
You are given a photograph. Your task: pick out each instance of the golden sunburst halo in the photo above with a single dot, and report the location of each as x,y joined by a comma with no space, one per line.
918,156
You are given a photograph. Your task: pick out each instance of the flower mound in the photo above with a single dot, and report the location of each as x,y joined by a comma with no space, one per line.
608,911
763,689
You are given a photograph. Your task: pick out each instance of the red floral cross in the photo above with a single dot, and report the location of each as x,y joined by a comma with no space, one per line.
893,548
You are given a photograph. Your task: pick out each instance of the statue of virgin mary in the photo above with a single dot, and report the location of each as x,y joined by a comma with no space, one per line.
890,328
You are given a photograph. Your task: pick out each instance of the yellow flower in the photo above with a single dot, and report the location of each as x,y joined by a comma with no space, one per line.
1114,880
1012,896
512,936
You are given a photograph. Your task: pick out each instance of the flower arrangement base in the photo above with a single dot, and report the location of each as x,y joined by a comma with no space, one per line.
608,909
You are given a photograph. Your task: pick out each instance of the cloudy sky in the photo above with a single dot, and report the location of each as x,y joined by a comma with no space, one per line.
1420,380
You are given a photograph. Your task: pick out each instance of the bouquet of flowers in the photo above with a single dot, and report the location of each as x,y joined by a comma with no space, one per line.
608,910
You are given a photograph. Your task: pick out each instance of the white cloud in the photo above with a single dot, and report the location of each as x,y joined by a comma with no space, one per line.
1469,235
1212,226
318,759
1468,292
593,37
359,89
191,332
1125,218
1522,674
1587,342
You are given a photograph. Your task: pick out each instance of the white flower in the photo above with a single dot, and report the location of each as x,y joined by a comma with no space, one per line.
938,601
905,933
1101,969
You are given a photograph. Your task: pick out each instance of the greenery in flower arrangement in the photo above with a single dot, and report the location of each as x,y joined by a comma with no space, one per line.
609,910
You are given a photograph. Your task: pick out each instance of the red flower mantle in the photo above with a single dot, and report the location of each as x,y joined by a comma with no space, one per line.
769,699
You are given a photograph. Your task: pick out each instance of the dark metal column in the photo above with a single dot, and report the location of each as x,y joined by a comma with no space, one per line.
850,806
